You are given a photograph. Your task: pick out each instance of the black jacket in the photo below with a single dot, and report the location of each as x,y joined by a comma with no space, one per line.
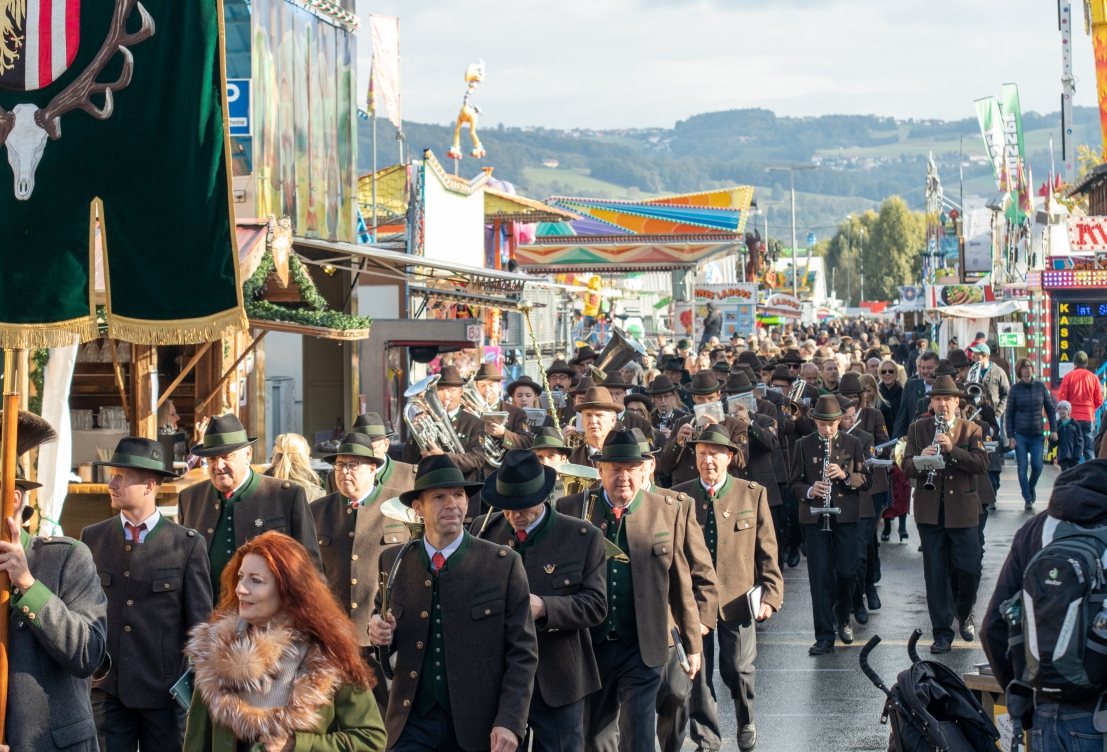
1079,496
1070,441
913,391
1025,403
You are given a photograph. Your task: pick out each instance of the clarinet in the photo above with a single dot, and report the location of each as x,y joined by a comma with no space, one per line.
826,510
939,429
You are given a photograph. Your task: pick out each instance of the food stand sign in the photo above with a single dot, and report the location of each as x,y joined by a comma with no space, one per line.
736,303
1011,334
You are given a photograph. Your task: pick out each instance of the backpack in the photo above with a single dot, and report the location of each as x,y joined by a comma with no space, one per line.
1063,589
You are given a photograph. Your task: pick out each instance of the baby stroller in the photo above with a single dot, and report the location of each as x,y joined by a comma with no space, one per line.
931,709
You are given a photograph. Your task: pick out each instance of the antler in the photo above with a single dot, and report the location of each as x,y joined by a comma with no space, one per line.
78,95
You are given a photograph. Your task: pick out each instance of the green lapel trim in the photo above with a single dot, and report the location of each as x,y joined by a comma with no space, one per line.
454,558
157,528
545,527
24,539
385,471
609,513
247,488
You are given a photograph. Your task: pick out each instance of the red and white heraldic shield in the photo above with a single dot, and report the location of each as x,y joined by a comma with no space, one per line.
38,41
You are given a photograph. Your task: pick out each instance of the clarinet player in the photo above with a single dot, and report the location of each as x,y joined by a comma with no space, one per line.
832,480
948,513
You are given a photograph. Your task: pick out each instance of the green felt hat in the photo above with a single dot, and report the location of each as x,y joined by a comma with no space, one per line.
356,445
549,437
621,446
438,471
714,434
140,454
371,425
225,434
521,482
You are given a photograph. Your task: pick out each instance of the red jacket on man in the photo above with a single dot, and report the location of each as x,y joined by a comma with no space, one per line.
1082,390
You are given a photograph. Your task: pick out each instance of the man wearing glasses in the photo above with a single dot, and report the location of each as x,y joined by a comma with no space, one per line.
352,533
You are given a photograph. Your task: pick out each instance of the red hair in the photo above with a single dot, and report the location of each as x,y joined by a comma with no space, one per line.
305,599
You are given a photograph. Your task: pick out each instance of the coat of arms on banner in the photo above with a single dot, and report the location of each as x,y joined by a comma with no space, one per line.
38,43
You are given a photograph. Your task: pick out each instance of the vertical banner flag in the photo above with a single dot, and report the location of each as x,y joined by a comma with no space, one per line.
371,97
113,115
991,126
1014,155
386,64
1099,50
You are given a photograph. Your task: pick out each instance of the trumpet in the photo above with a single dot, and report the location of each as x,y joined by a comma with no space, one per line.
826,510
473,401
939,429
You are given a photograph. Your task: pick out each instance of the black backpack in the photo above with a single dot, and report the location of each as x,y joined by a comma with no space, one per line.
1063,588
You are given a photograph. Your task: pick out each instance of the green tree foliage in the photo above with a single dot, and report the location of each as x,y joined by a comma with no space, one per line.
884,246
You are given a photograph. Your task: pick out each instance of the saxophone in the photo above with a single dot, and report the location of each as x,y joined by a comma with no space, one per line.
826,509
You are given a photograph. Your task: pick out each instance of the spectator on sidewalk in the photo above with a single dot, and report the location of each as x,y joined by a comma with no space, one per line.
1070,439
1025,405
1081,388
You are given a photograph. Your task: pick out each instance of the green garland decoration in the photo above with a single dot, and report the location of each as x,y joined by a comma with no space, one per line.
316,312
39,359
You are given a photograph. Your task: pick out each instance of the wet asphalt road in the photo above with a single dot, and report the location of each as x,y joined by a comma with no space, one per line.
825,703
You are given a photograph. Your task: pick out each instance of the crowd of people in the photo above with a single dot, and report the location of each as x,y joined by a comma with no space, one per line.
565,566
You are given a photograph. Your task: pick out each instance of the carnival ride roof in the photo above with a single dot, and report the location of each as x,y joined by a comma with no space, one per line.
508,207
672,232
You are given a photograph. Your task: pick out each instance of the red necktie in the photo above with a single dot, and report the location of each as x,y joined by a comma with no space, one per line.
135,531
521,535
438,561
354,504
228,494
618,512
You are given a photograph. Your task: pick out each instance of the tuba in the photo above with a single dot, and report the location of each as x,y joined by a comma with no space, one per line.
576,478
427,419
473,401
619,350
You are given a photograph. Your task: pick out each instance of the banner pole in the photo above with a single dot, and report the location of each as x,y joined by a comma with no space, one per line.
8,458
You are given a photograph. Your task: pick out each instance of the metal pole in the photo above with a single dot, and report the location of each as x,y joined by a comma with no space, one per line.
792,183
374,227
7,509
861,258
849,266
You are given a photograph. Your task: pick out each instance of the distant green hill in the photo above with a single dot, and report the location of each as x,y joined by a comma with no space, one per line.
862,158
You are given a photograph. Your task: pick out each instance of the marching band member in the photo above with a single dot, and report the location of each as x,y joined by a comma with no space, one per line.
831,556
352,533
949,514
741,562
599,415
446,695
566,569
679,464
395,476
516,434
155,575
647,584
867,516
468,427
238,504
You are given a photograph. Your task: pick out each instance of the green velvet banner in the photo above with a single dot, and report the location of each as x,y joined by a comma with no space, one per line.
149,157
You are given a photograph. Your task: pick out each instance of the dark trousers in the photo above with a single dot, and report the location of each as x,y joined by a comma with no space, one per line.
433,732
832,573
1068,464
866,553
1087,427
737,651
555,729
794,534
123,729
780,522
983,521
673,699
621,715
951,568
380,690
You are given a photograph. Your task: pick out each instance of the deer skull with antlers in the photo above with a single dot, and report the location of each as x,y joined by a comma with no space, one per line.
25,129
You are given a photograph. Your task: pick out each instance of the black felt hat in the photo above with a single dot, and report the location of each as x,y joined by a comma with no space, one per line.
560,366
225,434
140,454
488,372
850,383
524,380
661,384
738,383
714,434
621,446
645,399
449,376
704,382
644,443
356,445
583,354
371,424
438,471
791,355
521,482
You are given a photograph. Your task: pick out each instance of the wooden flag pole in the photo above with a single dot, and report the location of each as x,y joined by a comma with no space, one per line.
8,435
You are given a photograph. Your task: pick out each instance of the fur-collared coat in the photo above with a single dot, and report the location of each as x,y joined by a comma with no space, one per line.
232,662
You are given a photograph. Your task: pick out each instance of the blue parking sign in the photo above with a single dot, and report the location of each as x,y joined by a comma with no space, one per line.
238,106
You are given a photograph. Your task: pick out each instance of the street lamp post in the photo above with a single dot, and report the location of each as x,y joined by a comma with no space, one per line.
792,184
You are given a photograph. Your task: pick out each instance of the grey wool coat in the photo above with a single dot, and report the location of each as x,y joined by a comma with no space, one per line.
57,639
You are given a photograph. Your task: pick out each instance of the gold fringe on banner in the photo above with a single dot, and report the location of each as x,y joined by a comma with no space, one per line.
177,331
40,336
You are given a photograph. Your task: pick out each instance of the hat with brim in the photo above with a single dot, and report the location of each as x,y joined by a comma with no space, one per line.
550,438
598,398
225,434
721,366
644,399
21,482
621,446
438,471
371,424
781,373
714,434
488,372
560,366
30,431
958,359
583,354
661,384
945,386
356,445
791,355
844,402
614,380
449,376
750,358
582,387
704,382
945,368
738,383
644,445
524,380
850,383
521,482
827,408
140,454
747,369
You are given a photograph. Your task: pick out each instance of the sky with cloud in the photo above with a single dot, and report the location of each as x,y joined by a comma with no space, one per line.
640,63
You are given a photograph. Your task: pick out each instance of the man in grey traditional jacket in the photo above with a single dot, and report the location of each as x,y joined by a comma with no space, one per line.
57,628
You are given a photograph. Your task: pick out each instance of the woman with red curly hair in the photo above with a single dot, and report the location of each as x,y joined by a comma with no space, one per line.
277,667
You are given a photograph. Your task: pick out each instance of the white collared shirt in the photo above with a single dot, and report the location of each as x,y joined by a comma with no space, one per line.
531,527
447,552
715,488
372,487
149,522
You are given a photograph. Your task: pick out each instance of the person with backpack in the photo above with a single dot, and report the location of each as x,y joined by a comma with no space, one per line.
1066,684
